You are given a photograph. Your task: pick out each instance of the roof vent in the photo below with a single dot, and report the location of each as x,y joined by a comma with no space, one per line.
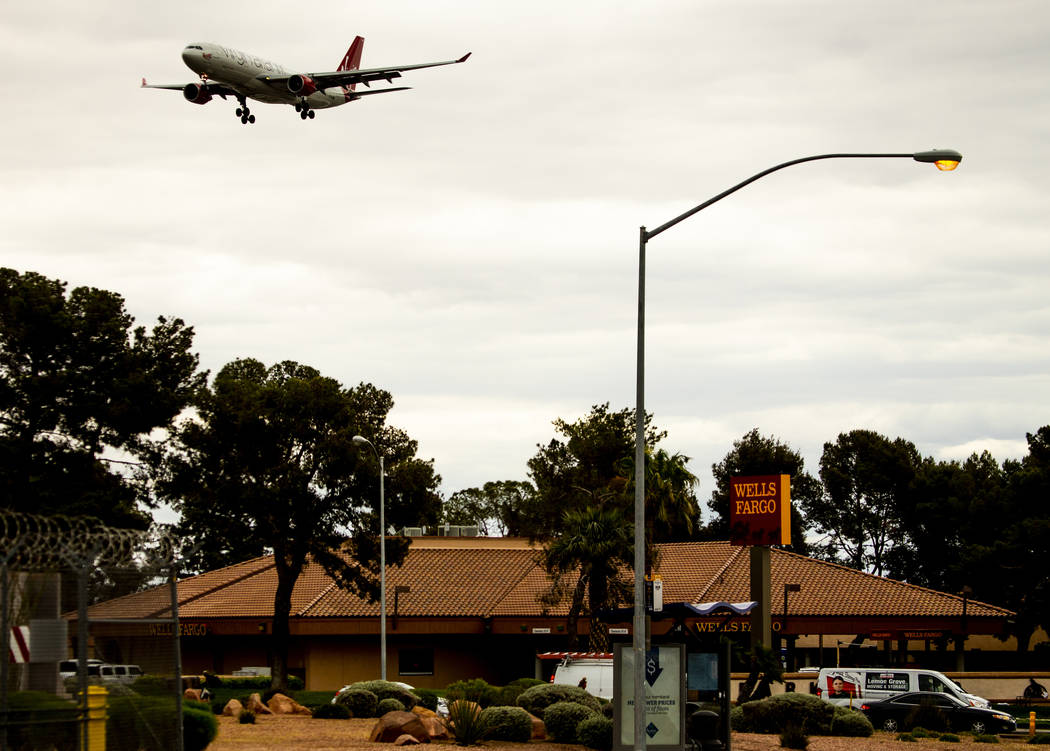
412,531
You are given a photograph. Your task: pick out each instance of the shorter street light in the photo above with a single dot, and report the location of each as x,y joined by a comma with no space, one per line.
362,441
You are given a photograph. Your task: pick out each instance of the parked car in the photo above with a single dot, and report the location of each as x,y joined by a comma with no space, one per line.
894,714
101,670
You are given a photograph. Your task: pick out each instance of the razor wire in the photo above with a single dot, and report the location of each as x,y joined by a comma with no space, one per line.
29,542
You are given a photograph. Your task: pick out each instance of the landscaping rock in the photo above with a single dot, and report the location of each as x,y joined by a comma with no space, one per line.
394,724
233,708
193,694
281,704
539,730
406,740
256,705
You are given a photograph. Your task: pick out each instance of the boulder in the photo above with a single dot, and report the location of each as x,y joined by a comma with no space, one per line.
406,740
394,724
539,730
192,693
233,708
436,728
422,711
281,704
256,705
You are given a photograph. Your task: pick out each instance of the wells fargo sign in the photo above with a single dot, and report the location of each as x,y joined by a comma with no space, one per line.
760,510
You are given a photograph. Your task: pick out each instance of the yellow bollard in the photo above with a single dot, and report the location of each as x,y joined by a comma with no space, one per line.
1031,723
96,718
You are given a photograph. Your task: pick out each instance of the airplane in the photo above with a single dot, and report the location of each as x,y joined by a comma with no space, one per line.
228,72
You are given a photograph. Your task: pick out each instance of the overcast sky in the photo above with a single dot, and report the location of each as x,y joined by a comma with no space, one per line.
471,245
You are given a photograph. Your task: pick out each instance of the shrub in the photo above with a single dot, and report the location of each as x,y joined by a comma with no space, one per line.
596,732
775,713
1040,739
794,736
41,720
508,695
194,704
907,737
199,728
985,738
217,705
332,712
850,723
475,690
246,717
360,702
524,683
388,690
427,698
562,718
507,724
950,738
921,732
465,723
139,722
153,685
737,721
389,705
537,698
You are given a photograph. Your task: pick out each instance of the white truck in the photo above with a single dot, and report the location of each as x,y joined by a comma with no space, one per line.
592,671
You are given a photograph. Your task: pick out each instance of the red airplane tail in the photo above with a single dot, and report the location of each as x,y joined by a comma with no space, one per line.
352,58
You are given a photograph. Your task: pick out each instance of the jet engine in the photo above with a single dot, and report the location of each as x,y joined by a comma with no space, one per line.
301,85
196,93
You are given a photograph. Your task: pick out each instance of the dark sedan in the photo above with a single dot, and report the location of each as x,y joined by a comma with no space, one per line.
928,708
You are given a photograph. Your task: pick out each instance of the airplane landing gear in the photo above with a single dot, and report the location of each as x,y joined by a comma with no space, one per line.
303,108
245,114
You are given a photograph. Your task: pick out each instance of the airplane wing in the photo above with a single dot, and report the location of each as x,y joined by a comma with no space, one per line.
215,89
364,75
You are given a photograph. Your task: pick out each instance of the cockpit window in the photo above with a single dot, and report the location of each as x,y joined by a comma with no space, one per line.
194,47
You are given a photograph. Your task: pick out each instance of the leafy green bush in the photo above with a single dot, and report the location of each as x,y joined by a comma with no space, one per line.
246,717
427,698
360,702
737,721
194,704
332,712
562,718
199,728
217,705
475,690
775,713
140,722
907,737
388,690
921,732
153,685
793,736
507,724
508,695
389,705
41,720
465,723
596,732
985,738
524,683
537,698
850,723
950,738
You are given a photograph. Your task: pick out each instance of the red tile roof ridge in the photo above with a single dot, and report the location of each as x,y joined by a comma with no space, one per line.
888,580
305,610
266,560
702,595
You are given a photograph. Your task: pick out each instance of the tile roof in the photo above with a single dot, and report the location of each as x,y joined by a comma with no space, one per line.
475,577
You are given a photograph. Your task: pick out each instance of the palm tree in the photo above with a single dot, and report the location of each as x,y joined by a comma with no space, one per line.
596,546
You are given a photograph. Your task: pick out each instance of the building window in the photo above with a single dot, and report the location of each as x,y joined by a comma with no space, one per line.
416,661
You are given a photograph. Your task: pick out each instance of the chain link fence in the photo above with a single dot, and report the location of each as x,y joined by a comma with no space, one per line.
71,649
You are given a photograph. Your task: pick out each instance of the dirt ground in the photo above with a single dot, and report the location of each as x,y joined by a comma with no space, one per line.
273,733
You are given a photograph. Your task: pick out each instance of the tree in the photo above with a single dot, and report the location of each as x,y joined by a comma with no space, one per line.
756,455
596,460
496,507
268,465
78,385
585,562
867,480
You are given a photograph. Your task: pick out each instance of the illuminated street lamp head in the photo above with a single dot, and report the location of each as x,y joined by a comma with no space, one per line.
945,159
360,440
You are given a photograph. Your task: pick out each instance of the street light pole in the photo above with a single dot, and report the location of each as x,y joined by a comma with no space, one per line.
944,159
362,441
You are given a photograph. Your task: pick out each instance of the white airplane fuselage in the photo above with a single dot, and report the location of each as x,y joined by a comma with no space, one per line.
241,71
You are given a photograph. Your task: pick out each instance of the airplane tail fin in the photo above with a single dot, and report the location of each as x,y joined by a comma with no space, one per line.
352,58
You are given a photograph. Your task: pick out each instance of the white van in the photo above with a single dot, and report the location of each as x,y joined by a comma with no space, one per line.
594,674
844,685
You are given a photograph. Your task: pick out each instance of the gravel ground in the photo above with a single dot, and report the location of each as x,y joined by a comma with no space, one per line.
270,733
